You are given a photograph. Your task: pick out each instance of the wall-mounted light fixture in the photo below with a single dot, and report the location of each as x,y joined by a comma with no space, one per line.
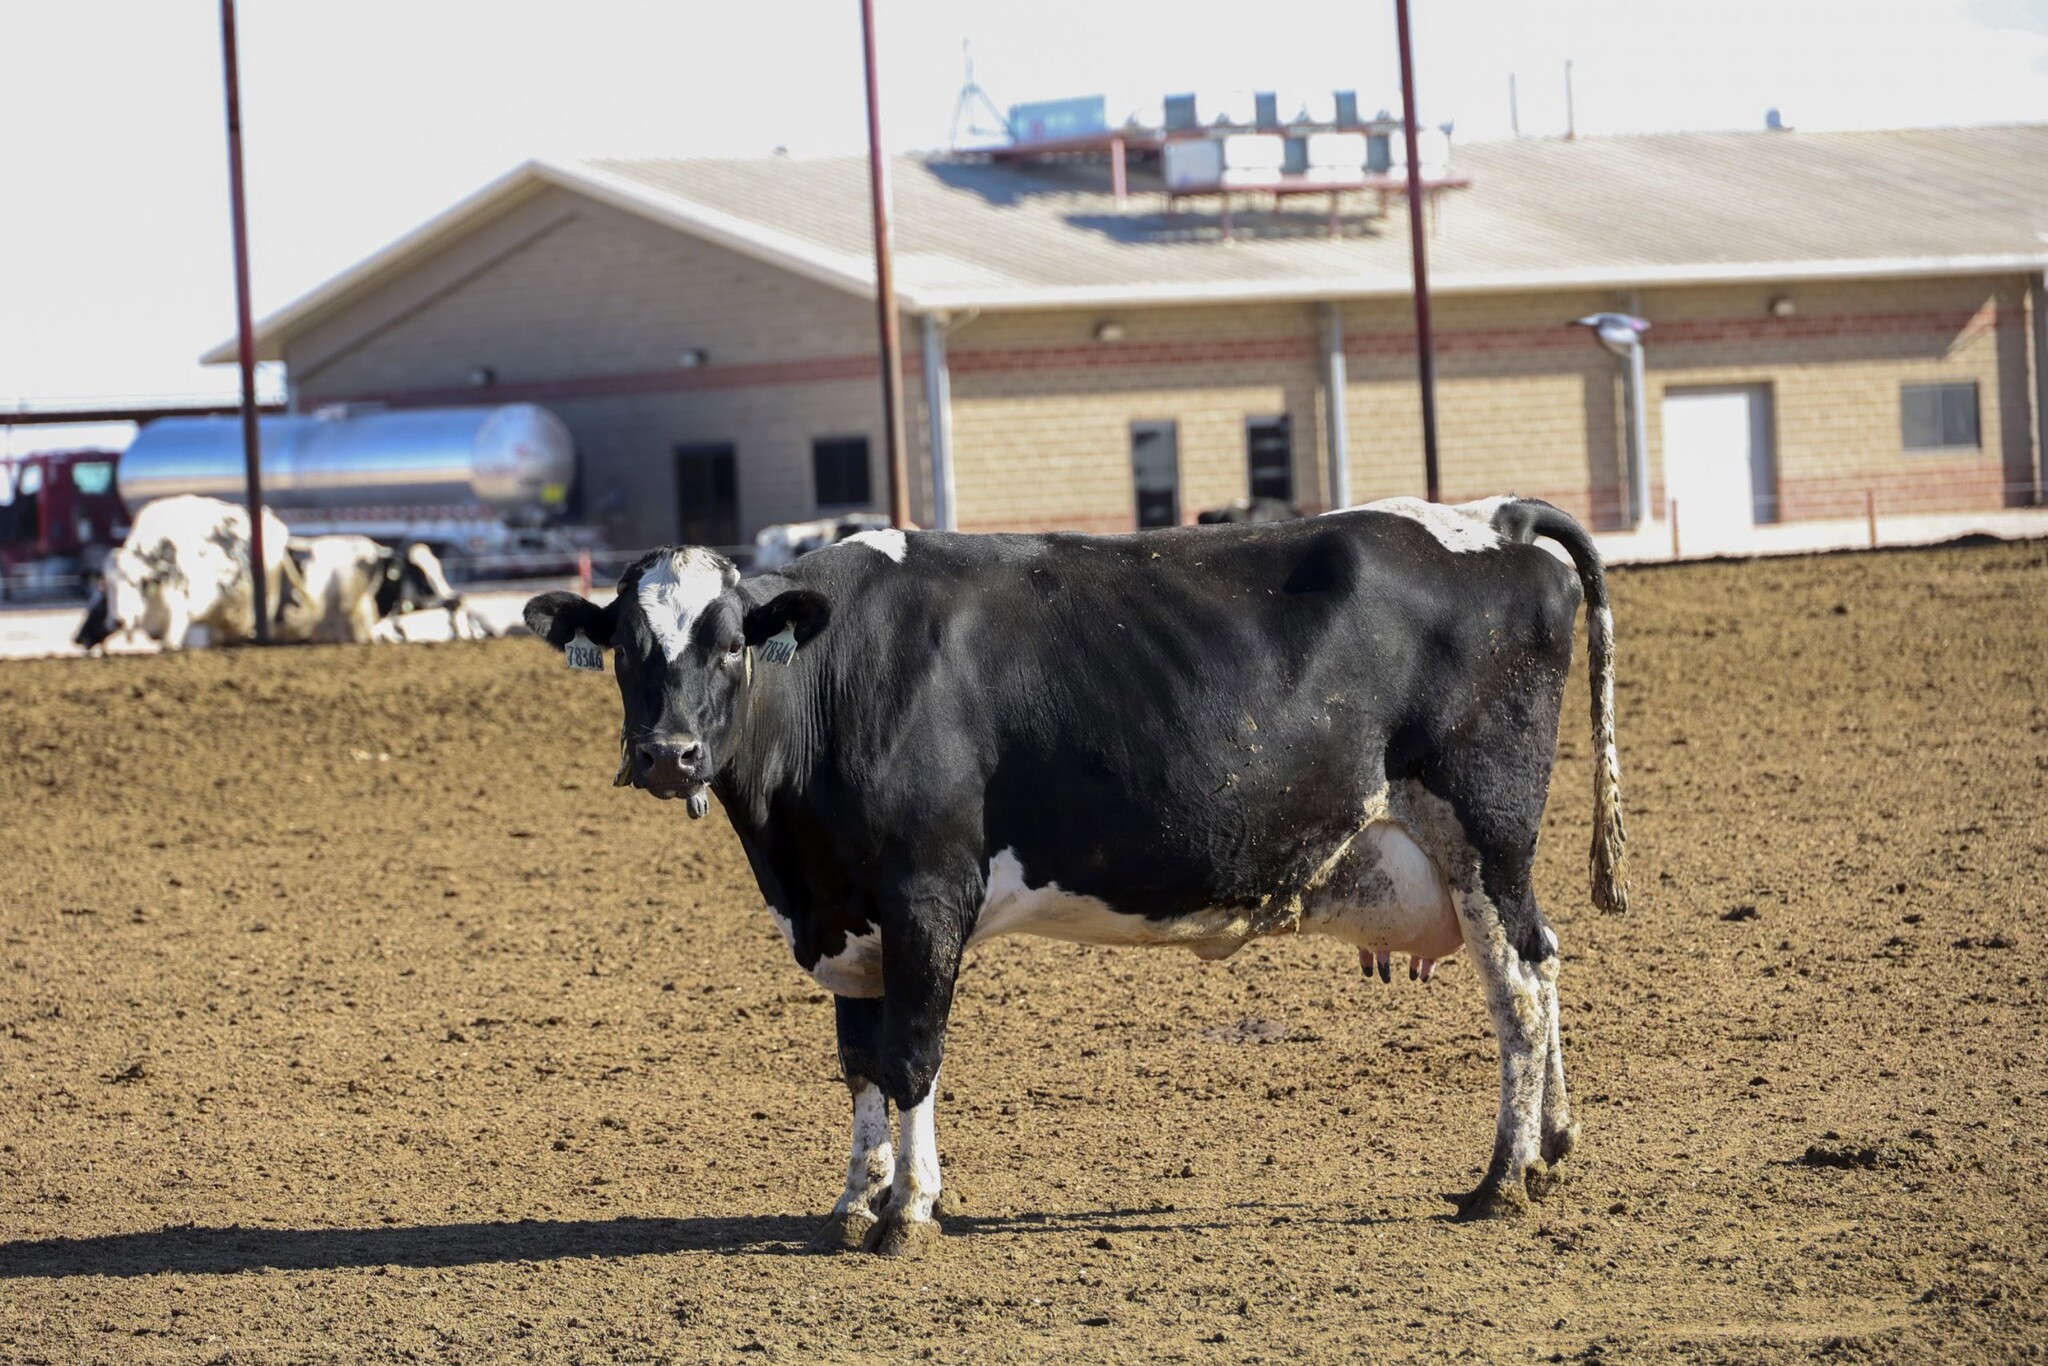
1109,332
482,377
1622,336
1783,307
696,358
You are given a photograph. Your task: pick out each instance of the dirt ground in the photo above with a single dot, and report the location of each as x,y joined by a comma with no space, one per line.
347,1012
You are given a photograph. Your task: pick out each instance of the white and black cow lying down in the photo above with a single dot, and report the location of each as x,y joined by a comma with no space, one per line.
1197,736
184,569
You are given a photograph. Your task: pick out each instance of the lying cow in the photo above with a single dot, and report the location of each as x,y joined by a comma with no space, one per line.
778,546
415,601
183,575
1248,510
1340,726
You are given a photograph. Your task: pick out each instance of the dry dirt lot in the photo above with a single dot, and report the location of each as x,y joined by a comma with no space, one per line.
347,1012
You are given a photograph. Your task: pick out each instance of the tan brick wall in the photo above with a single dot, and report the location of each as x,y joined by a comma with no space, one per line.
561,289
586,308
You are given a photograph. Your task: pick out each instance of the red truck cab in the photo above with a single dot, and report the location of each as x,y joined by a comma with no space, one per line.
60,513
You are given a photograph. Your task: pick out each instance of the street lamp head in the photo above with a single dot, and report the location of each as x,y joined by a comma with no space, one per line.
1618,332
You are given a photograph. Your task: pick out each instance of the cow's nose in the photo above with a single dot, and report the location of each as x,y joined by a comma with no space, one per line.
669,762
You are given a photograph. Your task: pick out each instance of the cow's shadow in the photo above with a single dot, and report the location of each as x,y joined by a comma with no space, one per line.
199,1250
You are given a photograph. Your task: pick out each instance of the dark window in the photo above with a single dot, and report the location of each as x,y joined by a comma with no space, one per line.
1936,417
839,464
1269,448
1155,471
707,495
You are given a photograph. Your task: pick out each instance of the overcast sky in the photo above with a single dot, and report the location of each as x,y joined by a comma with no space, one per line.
366,117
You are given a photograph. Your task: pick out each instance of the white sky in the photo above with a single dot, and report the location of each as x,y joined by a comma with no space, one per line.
366,117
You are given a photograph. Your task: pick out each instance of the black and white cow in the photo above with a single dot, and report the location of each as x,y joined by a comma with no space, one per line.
1196,736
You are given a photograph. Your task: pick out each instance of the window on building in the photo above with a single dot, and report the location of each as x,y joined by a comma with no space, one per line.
1935,417
839,469
1269,449
1155,472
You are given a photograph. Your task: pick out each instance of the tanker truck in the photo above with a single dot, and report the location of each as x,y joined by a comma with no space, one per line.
490,489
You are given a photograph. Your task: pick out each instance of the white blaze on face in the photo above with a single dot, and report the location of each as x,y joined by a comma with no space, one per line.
1460,529
675,591
890,542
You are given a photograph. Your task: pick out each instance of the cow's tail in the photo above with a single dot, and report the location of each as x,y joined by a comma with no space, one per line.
1527,519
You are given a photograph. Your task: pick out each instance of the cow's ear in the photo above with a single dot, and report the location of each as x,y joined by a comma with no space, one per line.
557,617
799,608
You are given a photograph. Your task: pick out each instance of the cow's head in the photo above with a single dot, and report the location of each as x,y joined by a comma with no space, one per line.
681,634
135,582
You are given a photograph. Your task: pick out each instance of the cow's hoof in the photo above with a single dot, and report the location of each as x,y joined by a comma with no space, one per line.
1558,1146
843,1231
894,1237
1491,1199
1540,1179
949,1202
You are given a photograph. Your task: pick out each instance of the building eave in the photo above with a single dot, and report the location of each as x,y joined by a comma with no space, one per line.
747,238
1493,282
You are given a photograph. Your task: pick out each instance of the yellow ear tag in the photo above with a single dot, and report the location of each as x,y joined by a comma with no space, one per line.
624,777
584,655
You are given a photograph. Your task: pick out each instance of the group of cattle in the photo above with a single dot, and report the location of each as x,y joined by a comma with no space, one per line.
183,577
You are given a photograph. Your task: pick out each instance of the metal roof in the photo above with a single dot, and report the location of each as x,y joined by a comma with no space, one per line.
1543,213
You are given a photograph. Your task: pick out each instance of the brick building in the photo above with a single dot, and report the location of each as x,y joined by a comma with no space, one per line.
1834,317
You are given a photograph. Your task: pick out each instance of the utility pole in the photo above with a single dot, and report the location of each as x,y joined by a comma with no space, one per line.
885,287
252,441
1418,251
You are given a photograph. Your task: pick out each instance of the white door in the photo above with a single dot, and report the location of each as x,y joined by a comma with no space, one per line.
1716,463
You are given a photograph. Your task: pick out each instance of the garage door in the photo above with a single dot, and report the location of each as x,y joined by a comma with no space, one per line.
1717,464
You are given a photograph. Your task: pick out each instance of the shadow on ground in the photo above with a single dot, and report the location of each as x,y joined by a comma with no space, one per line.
221,1251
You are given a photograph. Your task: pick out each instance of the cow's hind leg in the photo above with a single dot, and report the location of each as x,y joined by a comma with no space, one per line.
1511,953
1560,1133
871,1164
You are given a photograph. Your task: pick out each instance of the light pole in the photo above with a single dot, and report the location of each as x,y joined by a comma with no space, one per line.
1622,335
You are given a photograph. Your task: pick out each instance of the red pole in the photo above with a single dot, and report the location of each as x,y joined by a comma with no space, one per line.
1425,347
885,287
246,335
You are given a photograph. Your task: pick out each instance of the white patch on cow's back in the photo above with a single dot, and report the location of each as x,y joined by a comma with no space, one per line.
855,970
1460,528
888,541
676,589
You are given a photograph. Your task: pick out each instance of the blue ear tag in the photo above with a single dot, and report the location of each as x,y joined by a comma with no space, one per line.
780,648
584,655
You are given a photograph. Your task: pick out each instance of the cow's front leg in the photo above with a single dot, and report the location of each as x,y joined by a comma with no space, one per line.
921,947
871,1165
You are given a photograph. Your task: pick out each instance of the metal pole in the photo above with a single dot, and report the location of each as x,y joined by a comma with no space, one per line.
1425,347
252,445
885,286
1335,421
938,407
1638,439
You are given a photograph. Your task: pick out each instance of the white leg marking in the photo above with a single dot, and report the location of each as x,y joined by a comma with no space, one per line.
868,1168
917,1160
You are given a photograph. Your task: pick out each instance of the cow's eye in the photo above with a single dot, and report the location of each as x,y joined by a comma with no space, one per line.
735,650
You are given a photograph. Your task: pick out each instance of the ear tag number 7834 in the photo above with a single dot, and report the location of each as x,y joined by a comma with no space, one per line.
584,655
780,648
